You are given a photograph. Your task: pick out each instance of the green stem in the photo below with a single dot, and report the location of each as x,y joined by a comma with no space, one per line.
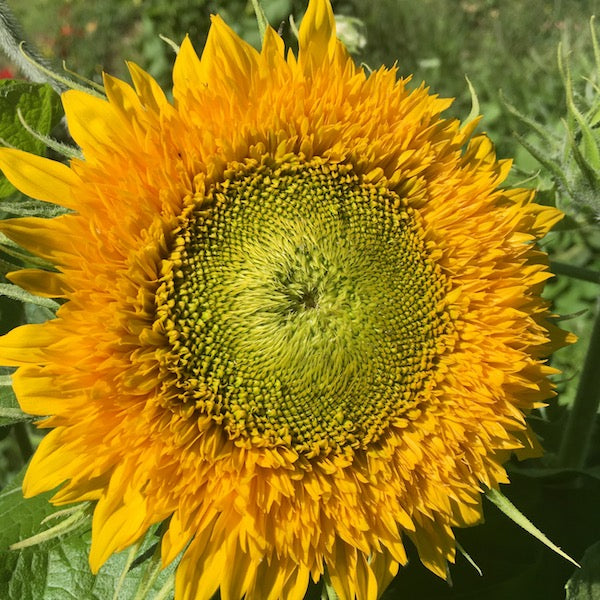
582,417
11,36
559,268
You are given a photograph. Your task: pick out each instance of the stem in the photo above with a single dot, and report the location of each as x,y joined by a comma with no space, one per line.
11,36
582,417
559,268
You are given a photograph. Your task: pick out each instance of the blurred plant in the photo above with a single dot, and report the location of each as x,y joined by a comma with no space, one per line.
571,157
440,41
352,32
570,179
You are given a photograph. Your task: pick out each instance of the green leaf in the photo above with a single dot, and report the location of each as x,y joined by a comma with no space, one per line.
58,569
22,206
17,293
516,516
551,166
585,582
468,558
41,108
9,407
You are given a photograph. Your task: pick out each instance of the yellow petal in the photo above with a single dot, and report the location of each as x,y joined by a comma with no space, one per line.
269,582
366,582
187,72
384,568
41,283
273,46
119,518
91,121
45,470
27,344
122,97
149,92
201,571
47,238
54,461
295,586
228,52
316,37
235,586
40,395
175,539
39,177
342,570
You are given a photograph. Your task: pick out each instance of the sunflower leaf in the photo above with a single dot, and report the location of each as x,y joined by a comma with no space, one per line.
516,516
22,206
585,583
468,558
9,407
58,568
41,108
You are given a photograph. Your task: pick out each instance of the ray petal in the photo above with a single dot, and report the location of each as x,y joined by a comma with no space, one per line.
149,92
39,177
91,121
317,39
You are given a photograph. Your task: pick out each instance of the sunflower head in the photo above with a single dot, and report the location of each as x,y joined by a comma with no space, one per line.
302,319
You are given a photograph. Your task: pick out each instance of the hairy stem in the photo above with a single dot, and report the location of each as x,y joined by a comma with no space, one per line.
11,37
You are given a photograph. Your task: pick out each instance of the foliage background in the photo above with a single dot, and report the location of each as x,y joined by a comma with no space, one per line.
506,48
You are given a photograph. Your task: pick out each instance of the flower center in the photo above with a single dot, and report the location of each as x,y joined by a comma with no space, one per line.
301,307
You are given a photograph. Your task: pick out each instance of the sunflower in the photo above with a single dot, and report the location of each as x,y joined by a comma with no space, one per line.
301,322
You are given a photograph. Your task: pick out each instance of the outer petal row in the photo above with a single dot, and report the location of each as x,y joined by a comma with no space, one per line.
39,177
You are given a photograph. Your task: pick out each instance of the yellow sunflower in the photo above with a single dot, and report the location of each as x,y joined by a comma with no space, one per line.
302,322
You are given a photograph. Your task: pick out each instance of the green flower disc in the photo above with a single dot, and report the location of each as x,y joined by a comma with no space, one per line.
302,307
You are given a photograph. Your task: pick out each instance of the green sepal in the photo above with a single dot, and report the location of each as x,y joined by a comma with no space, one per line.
16,293
516,516
474,112
261,18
